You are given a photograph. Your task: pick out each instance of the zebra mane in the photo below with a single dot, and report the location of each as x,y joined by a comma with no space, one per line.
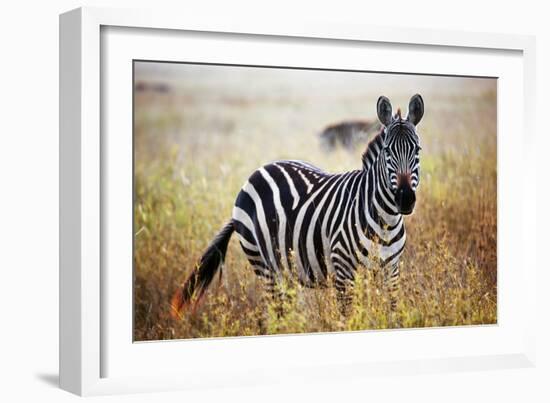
373,150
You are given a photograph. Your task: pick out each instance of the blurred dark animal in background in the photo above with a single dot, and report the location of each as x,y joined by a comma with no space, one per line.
152,87
348,134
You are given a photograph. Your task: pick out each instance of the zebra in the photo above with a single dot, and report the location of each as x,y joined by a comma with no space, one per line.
347,133
292,216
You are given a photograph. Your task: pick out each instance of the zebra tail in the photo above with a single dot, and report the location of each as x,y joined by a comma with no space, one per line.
198,281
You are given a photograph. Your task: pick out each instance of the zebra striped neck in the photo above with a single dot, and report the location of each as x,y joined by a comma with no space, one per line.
382,198
379,199
373,151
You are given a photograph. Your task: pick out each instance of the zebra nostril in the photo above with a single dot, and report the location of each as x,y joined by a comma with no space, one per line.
399,196
410,196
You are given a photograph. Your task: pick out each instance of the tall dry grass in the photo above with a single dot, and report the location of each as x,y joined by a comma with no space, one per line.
196,145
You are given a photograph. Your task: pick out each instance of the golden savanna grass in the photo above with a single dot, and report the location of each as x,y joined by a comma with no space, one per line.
198,139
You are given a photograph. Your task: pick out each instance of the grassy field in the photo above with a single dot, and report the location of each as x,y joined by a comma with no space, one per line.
200,134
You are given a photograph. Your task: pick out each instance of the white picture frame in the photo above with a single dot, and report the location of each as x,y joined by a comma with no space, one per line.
93,347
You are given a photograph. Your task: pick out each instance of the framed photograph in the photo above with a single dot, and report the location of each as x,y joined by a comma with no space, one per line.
243,204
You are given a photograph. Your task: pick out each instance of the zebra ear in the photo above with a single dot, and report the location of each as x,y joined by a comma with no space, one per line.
416,109
383,108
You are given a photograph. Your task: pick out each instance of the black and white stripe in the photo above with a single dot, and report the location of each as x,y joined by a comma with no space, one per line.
290,215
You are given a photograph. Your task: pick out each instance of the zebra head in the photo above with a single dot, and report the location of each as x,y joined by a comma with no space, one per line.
401,149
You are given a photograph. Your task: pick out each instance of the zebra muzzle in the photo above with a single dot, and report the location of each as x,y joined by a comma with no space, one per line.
405,199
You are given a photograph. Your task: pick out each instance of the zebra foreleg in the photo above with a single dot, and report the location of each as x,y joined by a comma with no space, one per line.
344,294
391,283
